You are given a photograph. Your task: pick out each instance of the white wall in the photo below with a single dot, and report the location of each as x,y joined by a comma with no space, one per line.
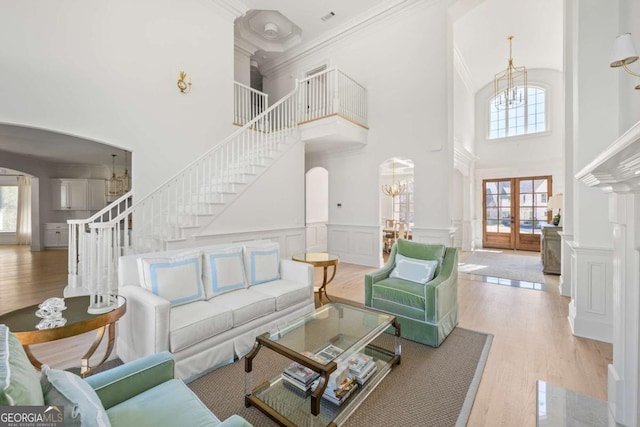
107,71
405,64
274,201
463,112
629,99
242,66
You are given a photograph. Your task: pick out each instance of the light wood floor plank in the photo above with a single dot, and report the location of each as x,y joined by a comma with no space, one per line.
532,337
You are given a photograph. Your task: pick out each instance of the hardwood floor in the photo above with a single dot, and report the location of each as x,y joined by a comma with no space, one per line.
532,338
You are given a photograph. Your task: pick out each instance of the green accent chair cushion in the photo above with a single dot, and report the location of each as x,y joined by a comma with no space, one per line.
428,312
19,381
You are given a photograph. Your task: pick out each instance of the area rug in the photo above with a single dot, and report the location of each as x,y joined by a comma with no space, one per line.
507,266
430,387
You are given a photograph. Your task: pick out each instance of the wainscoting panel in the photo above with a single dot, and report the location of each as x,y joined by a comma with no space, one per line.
597,288
591,307
444,236
317,237
356,244
291,240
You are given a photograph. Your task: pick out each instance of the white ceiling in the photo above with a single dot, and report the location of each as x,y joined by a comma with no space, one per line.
55,147
480,37
306,15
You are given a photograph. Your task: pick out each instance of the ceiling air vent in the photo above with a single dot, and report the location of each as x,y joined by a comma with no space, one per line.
328,16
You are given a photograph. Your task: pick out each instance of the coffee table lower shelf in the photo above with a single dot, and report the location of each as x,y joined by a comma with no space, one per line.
292,407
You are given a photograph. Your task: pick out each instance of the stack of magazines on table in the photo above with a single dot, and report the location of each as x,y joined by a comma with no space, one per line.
300,378
361,367
342,383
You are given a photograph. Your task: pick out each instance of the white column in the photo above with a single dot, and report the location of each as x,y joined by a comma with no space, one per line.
617,171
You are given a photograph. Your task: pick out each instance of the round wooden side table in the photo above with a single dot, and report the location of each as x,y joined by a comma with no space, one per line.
324,260
22,323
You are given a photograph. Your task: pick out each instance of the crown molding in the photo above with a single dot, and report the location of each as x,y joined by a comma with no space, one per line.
232,8
244,47
462,68
368,18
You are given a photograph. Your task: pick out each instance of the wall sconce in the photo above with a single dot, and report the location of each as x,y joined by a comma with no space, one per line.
183,85
624,53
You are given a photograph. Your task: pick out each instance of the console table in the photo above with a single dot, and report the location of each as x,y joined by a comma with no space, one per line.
550,249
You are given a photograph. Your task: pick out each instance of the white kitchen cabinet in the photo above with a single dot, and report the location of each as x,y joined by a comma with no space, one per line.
56,235
96,196
71,194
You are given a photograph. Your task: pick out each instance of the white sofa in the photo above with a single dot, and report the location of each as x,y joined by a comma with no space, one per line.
206,305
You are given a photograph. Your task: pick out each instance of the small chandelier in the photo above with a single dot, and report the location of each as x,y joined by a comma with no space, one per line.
118,185
396,188
510,84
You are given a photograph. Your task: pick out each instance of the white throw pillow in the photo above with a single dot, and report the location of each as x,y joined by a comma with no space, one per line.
223,271
414,270
262,263
176,278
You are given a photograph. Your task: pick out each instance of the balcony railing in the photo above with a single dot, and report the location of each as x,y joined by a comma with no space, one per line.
249,103
332,92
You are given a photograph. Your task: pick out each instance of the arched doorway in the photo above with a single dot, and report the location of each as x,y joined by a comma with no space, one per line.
317,209
396,199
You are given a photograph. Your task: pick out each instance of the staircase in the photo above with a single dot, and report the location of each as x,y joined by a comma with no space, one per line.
183,205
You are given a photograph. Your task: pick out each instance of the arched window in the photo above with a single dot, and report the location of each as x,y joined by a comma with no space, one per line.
529,117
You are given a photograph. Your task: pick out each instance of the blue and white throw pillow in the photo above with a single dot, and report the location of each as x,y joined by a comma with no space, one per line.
176,278
82,406
414,270
223,271
262,263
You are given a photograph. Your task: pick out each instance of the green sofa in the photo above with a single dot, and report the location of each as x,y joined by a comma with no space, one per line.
428,312
139,393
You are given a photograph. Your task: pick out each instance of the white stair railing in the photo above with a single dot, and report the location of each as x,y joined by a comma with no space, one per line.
78,256
203,187
248,103
332,92
175,206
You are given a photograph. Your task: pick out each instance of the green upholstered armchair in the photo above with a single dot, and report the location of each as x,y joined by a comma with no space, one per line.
139,393
426,312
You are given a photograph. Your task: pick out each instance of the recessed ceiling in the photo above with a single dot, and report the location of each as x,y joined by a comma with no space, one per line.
268,30
307,16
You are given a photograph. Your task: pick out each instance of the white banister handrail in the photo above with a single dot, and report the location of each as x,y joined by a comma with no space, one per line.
250,89
248,103
78,254
250,125
318,74
201,189
332,92
106,210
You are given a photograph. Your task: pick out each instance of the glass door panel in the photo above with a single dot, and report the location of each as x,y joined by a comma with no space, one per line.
498,209
515,211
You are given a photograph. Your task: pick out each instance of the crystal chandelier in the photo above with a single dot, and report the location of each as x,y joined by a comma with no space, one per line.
395,188
510,84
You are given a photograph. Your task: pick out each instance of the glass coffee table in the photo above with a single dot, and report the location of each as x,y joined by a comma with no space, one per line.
324,341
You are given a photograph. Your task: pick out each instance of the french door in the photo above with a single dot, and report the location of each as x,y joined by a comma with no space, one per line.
515,209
